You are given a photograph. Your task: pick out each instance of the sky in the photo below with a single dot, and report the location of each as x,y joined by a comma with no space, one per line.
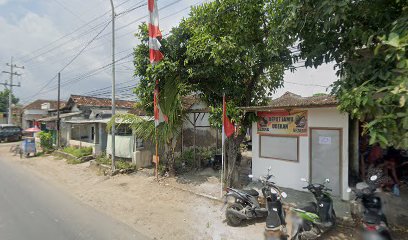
45,35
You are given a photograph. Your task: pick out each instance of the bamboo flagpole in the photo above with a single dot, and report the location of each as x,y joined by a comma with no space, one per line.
155,56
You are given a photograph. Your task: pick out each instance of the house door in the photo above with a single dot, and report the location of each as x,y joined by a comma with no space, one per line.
325,153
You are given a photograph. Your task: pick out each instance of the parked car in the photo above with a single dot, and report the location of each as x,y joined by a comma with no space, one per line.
10,133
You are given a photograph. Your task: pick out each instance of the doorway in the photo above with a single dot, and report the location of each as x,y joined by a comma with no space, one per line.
325,157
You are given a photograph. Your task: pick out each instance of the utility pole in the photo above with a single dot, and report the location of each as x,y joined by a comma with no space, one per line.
58,111
11,85
113,85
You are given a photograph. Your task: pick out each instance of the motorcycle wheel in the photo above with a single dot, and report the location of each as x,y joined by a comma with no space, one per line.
334,217
233,220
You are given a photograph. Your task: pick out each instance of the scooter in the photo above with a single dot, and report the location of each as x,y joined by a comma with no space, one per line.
275,225
315,218
374,222
244,205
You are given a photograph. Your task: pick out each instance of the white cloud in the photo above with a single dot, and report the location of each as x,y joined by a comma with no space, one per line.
3,2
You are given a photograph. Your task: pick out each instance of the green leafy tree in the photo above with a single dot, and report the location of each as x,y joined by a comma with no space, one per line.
368,42
4,100
236,48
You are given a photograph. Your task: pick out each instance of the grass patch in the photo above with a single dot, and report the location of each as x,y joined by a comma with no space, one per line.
120,164
78,152
73,161
39,154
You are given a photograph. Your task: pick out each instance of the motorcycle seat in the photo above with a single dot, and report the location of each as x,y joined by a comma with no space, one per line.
309,207
251,192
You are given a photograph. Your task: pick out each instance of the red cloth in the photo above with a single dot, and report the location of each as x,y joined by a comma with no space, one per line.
227,124
375,154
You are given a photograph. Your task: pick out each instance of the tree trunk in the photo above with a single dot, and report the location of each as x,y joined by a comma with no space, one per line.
232,153
171,161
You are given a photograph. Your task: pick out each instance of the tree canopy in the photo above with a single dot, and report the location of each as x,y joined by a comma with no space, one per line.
368,42
4,100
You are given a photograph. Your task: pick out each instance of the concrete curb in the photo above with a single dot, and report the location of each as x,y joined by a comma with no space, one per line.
64,155
72,157
215,199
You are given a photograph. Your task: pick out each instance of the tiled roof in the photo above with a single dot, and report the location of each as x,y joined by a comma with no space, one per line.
137,112
293,100
100,102
63,115
37,104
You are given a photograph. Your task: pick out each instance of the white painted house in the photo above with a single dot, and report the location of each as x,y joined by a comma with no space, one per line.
302,137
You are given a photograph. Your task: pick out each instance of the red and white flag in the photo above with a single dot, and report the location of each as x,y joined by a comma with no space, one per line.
155,55
158,114
155,34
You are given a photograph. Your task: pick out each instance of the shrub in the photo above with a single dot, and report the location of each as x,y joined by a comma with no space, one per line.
123,164
78,152
103,159
185,162
46,141
120,164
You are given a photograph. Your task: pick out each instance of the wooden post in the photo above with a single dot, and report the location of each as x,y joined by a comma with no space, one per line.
157,156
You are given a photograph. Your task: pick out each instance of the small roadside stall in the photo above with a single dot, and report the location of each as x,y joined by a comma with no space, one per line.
302,137
28,144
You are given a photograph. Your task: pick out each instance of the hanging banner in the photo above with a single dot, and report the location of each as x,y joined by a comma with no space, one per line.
283,123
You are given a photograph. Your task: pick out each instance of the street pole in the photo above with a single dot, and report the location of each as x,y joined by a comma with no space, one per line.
10,84
113,85
10,103
58,111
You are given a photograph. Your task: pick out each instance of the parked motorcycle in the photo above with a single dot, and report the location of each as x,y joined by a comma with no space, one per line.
244,205
275,225
374,222
315,218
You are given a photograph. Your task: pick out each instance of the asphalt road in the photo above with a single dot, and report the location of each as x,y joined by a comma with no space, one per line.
31,208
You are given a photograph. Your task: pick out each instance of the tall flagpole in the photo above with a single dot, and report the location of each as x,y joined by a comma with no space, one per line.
155,56
156,123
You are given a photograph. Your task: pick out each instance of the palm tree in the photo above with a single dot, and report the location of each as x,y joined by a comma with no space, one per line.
168,133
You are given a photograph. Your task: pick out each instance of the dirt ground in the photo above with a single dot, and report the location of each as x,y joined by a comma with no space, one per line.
157,209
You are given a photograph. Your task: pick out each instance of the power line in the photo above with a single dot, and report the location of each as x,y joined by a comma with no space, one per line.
72,60
77,37
79,53
77,78
71,33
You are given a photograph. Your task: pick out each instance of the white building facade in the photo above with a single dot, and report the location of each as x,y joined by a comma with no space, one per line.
302,138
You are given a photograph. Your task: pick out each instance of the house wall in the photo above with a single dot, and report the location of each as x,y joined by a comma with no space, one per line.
288,174
205,135
32,114
81,132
